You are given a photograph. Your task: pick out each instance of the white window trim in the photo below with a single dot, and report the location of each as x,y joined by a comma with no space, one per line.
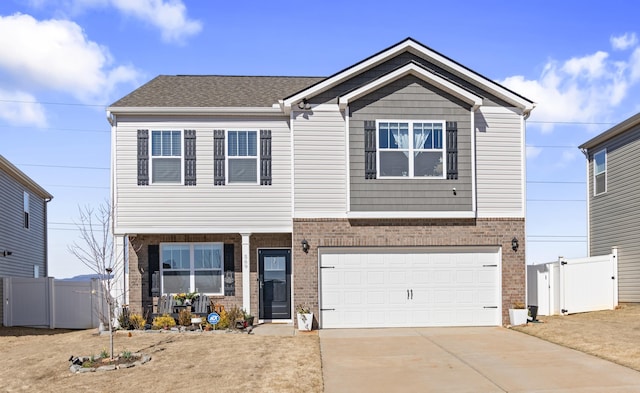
227,157
151,157
192,270
411,149
606,170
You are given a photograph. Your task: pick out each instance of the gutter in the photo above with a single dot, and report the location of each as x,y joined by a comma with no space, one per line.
270,111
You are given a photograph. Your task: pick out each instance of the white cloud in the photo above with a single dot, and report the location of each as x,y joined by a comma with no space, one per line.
533,152
624,41
56,55
168,16
580,89
20,108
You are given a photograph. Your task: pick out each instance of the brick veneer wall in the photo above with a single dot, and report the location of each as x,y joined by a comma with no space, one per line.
141,302
408,233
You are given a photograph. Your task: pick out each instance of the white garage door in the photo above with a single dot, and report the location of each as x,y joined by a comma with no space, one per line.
362,288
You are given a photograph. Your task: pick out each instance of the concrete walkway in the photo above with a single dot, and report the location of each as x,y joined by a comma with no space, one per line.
455,360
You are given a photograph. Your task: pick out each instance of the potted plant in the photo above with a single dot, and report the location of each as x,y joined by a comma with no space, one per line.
248,318
518,314
305,317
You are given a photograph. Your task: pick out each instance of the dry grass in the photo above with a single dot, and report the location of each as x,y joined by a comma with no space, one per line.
36,360
611,335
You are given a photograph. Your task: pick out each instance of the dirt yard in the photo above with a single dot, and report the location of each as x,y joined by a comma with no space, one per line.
37,360
611,335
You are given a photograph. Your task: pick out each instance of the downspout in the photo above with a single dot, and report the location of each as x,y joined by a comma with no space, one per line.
46,239
585,152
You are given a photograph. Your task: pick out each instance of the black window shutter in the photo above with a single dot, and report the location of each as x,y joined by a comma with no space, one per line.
370,149
452,150
265,157
189,157
143,157
218,158
153,253
229,271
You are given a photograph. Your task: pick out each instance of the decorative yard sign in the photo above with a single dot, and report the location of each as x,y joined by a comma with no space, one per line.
213,318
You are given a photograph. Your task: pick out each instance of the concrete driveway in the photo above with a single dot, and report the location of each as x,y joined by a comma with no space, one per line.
454,360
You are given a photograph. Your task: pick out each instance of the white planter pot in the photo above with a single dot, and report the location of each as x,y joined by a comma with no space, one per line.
305,321
518,316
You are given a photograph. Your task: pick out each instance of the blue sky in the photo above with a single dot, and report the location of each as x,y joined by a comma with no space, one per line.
63,61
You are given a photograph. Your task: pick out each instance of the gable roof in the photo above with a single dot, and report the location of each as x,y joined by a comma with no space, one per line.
411,45
199,91
11,170
614,131
418,71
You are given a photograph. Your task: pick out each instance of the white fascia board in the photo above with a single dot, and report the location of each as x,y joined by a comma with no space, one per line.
420,50
197,110
124,230
419,72
506,214
320,214
436,214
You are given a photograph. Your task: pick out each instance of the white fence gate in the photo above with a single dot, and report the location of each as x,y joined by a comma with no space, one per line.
46,302
570,286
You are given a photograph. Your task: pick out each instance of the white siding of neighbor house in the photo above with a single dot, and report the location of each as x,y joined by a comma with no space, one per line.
499,162
204,208
320,178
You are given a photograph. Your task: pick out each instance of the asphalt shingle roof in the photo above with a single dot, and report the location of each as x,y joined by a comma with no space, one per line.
215,91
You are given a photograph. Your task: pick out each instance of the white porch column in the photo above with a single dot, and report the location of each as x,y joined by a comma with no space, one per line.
246,273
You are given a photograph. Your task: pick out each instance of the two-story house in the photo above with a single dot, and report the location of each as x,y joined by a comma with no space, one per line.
23,225
391,193
613,206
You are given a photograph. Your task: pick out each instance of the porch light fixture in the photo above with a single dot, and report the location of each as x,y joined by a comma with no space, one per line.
6,253
305,246
514,244
304,104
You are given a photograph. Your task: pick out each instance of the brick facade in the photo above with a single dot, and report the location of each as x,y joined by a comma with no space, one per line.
343,233
407,233
141,302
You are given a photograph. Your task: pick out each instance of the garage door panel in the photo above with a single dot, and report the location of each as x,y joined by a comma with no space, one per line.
409,288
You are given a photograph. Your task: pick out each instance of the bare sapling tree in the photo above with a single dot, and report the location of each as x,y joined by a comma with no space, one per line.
95,249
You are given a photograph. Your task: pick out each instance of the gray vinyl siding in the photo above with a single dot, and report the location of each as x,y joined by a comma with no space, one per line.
615,215
368,76
204,207
320,185
409,98
27,245
499,157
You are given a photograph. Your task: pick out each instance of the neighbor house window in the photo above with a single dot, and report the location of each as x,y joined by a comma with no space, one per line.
242,157
411,149
26,209
600,172
192,267
166,156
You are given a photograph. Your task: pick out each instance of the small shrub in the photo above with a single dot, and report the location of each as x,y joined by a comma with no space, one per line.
234,314
164,321
224,320
124,319
104,354
137,321
126,355
184,318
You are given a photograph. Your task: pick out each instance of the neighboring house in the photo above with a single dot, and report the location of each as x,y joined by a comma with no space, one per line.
23,225
613,185
388,194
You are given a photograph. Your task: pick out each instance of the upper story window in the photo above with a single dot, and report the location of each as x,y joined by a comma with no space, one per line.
242,157
26,209
411,149
192,267
600,172
166,156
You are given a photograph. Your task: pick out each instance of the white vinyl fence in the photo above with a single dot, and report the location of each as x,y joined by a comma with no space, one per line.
569,286
51,303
